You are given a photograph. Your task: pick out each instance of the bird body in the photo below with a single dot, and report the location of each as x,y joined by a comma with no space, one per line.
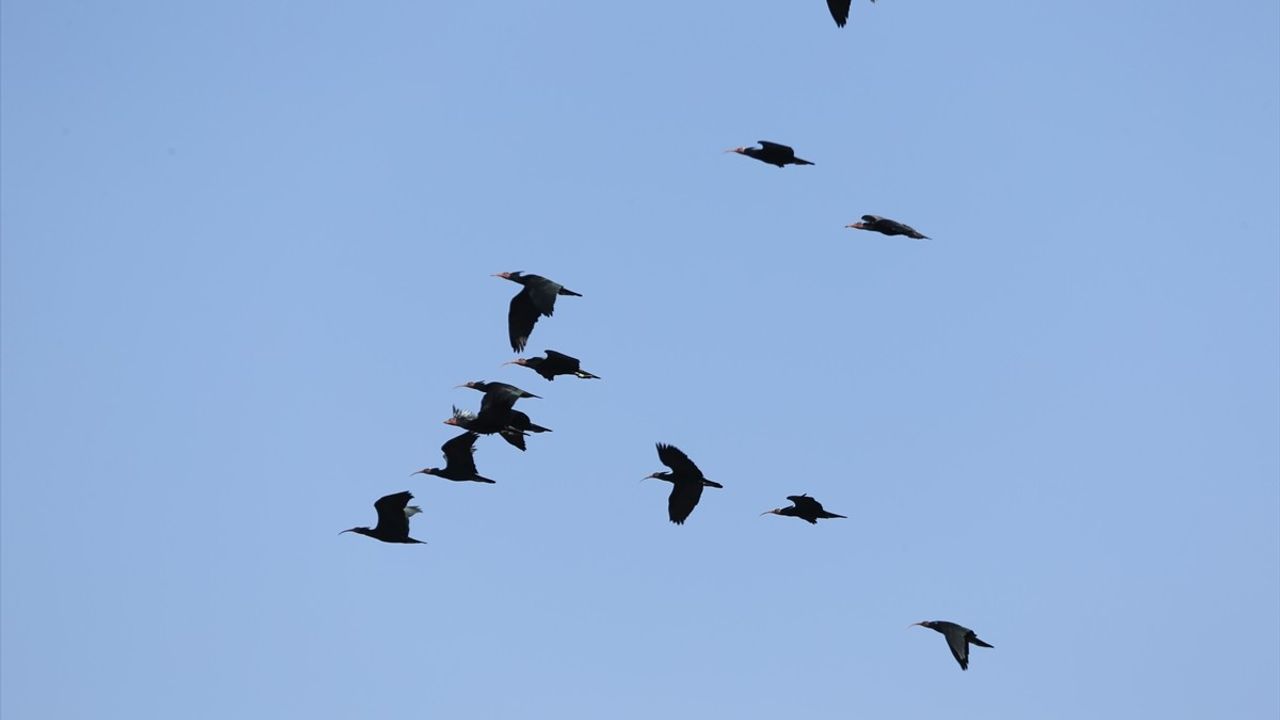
959,638
394,512
554,364
489,424
805,508
885,226
772,153
536,299
460,462
686,481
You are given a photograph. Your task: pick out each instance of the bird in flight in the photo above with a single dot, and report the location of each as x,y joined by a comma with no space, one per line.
885,226
536,299
686,482
554,364
394,512
959,638
772,153
803,507
460,462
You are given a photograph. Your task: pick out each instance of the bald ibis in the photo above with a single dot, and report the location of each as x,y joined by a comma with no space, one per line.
554,364
958,639
502,424
536,298
803,507
394,512
686,482
840,11
460,462
772,153
885,226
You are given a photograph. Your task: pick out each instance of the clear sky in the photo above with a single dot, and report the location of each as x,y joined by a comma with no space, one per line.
247,250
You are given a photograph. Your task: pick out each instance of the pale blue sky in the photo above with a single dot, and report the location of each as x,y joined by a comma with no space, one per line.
246,257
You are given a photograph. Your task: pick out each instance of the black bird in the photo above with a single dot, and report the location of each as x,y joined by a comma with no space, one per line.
686,481
554,364
394,512
840,10
772,153
803,507
459,460
499,397
537,298
502,424
958,639
885,226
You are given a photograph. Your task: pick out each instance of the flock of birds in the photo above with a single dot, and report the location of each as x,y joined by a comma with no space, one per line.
498,416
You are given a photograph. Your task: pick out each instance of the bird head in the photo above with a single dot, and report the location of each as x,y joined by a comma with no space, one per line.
924,623
474,385
513,276
857,226
517,361
775,511
739,150
429,471
359,530
657,476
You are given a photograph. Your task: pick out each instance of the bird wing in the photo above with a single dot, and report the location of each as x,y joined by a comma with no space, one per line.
458,454
683,499
572,362
777,147
392,519
521,318
959,648
804,502
498,400
839,11
543,292
680,464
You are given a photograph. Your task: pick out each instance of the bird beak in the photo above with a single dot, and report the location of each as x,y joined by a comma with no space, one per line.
737,149
915,624
768,512
510,362
344,531
455,387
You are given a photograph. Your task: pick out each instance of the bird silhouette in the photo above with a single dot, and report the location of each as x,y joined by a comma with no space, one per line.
554,364
803,507
958,638
840,10
686,482
500,423
772,153
394,512
460,462
885,226
537,298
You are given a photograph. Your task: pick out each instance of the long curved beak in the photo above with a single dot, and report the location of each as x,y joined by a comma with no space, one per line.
915,624
510,362
768,512
344,531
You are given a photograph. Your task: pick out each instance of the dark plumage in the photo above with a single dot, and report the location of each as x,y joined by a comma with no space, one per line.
959,638
805,508
394,512
537,298
772,153
554,364
488,424
885,226
840,11
686,482
460,462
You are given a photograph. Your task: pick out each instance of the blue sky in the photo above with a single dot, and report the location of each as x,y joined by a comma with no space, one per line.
246,257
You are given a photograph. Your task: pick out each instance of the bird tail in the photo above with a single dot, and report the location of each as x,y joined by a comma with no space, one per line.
979,643
567,291
586,375
798,161
538,428
483,479
833,515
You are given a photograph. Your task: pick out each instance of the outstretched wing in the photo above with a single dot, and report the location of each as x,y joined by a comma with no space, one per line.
392,519
777,147
959,648
458,454
806,504
498,401
680,464
568,361
839,11
683,499
521,317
